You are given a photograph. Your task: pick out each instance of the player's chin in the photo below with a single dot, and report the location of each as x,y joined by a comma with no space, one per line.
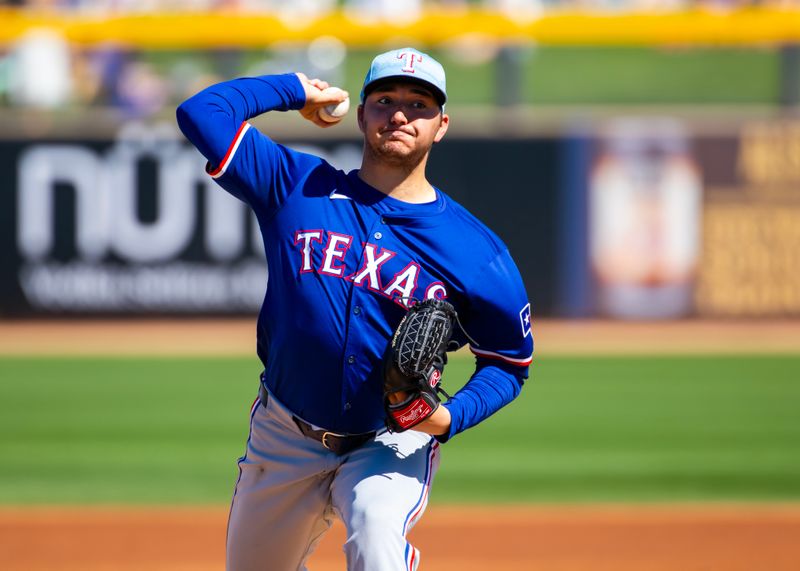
398,156
384,151
397,147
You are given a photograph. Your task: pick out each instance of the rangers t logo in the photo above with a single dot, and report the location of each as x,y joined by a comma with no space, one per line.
409,58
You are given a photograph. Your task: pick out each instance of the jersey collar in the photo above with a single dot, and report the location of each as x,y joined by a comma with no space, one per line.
392,207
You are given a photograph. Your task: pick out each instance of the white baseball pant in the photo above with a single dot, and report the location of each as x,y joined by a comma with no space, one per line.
290,488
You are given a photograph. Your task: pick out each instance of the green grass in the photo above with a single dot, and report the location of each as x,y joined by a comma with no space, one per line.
620,75
655,429
585,75
76,430
122,430
549,75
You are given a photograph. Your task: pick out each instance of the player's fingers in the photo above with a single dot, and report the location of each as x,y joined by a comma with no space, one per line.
319,84
311,114
332,95
397,397
312,90
324,124
338,95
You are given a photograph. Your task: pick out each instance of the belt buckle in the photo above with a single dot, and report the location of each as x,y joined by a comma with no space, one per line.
325,441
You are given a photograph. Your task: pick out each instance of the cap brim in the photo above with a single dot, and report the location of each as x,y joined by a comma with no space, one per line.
437,93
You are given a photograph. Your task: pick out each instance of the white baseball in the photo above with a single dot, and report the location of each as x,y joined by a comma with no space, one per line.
334,112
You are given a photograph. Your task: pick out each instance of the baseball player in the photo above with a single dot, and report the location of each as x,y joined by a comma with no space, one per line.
351,254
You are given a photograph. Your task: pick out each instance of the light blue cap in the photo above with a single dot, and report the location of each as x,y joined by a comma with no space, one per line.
407,64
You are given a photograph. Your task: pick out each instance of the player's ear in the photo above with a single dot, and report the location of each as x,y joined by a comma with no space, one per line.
360,115
443,125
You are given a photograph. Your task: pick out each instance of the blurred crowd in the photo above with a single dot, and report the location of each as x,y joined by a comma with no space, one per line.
42,70
369,8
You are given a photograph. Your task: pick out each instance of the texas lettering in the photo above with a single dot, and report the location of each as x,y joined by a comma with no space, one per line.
324,252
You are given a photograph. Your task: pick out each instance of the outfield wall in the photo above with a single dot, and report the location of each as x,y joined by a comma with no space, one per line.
630,217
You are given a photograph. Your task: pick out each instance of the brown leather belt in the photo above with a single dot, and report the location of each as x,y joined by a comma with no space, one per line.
333,441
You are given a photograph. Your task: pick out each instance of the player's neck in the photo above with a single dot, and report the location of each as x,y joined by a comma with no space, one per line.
398,182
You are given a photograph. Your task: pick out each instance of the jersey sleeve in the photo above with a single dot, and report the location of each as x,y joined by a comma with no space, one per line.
499,318
261,172
498,324
245,162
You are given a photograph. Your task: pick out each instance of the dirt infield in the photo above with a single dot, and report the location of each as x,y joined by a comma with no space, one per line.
237,337
602,538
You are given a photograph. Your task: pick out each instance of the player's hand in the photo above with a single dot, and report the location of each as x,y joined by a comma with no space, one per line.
317,98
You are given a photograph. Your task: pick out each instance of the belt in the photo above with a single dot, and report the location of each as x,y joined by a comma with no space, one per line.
333,441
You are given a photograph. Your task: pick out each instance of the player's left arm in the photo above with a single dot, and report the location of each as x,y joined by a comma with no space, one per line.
499,321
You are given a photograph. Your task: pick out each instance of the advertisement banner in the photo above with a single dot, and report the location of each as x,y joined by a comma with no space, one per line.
688,224
751,222
645,204
134,226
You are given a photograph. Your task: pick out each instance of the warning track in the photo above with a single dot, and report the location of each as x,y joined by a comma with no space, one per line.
237,337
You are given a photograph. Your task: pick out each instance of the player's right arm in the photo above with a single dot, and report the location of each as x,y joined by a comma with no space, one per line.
243,161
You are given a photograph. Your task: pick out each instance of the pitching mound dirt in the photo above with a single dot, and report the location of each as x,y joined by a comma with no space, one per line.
567,538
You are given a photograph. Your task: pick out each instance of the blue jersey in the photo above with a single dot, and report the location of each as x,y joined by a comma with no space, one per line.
345,261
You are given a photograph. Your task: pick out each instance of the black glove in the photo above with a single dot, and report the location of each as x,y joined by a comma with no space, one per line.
414,362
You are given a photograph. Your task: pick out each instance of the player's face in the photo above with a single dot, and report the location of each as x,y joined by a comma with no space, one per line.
400,122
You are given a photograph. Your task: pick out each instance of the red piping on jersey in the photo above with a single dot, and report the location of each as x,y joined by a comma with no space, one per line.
490,355
223,165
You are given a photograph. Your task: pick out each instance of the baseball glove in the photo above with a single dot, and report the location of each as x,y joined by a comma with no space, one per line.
414,362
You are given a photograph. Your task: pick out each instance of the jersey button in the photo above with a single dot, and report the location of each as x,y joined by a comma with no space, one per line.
351,359
347,406
357,309
378,235
383,220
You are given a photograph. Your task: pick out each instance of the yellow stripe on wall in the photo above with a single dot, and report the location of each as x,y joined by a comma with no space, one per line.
207,30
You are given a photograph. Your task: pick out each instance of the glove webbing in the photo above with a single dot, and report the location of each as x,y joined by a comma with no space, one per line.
423,338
